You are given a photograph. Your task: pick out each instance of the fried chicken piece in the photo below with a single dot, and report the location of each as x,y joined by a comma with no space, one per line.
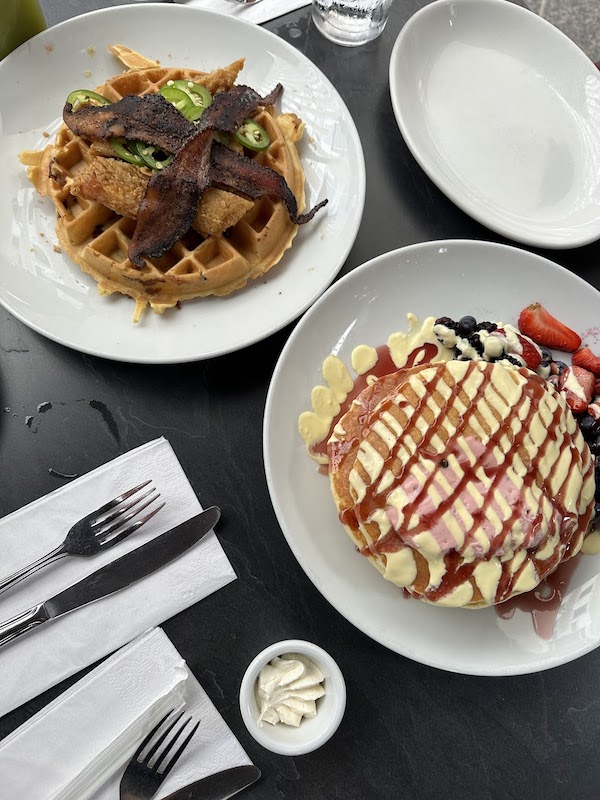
121,187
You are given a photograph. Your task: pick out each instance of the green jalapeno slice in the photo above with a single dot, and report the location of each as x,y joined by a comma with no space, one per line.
85,97
181,100
253,136
154,157
199,94
123,149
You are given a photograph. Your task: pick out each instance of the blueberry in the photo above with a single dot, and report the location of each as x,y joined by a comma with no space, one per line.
467,326
596,510
487,326
595,448
546,354
558,367
590,427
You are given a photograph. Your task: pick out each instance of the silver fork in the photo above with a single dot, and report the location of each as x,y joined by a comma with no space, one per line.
96,532
144,775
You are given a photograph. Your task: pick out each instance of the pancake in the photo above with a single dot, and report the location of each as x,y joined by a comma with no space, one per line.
471,482
342,448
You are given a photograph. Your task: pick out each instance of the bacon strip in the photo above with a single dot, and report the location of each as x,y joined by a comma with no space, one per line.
179,186
149,118
245,177
167,210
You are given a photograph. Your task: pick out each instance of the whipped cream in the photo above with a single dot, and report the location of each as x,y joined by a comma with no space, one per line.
287,690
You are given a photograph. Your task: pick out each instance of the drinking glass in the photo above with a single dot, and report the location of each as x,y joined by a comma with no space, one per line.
19,21
351,22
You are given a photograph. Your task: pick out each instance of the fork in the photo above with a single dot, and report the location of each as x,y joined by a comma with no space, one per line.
140,780
96,532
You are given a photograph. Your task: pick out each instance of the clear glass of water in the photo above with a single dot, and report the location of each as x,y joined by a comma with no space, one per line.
351,22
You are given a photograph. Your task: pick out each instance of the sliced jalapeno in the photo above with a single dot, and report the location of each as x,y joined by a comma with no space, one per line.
253,136
199,94
85,97
181,100
123,149
154,157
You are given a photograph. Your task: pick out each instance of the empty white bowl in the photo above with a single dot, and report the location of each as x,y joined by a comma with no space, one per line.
311,733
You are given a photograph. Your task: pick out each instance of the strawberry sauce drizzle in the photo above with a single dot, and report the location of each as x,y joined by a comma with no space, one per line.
457,572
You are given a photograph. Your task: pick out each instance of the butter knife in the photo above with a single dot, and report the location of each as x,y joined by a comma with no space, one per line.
219,786
114,576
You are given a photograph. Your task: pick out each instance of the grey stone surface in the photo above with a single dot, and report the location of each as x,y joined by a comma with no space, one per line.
579,19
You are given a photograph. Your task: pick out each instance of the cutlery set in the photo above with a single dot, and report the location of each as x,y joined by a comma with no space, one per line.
96,532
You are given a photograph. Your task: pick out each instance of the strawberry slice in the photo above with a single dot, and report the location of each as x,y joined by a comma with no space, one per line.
586,359
530,352
546,330
577,384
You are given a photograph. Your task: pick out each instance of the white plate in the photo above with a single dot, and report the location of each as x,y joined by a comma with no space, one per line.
53,296
502,111
453,278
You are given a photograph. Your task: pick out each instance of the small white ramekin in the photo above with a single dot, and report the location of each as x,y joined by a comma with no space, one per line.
311,733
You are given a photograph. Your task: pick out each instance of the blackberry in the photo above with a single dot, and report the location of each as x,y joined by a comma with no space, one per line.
513,360
467,326
476,343
589,426
487,326
447,322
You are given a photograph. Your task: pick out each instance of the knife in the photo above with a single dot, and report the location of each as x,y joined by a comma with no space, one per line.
116,575
219,786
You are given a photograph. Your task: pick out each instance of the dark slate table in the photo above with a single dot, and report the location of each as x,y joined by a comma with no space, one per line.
410,732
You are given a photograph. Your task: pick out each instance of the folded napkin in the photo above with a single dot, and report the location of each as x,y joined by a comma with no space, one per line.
259,12
61,647
76,747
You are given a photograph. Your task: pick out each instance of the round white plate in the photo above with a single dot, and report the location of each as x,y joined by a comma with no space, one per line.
452,278
502,111
50,294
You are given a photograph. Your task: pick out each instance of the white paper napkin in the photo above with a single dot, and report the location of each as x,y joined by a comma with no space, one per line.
77,746
61,647
253,12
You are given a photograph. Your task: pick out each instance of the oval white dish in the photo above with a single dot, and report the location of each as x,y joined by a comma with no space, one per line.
502,111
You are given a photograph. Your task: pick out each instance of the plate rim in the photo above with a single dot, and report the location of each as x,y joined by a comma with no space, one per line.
536,664
461,200
359,172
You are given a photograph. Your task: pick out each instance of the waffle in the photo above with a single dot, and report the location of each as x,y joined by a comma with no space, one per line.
207,261
470,481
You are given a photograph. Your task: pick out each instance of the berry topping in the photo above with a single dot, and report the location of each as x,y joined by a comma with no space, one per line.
590,427
447,323
531,353
546,330
586,359
577,384
487,326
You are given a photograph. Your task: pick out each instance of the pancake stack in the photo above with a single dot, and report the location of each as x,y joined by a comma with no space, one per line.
465,483
232,240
